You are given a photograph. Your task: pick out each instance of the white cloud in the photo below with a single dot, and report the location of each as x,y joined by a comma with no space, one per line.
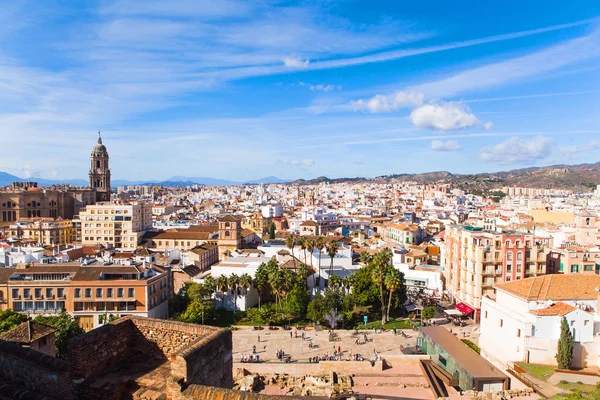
321,87
384,104
581,148
445,117
518,151
295,62
497,74
487,126
304,162
449,145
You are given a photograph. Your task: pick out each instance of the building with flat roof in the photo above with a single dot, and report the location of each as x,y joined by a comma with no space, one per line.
465,366
88,292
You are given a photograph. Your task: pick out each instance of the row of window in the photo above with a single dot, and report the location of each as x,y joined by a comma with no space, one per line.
52,306
87,293
38,293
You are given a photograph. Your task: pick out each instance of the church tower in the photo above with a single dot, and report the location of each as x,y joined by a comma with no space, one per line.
99,172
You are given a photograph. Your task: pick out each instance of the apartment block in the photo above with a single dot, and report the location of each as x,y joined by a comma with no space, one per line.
574,260
87,292
114,224
475,260
43,231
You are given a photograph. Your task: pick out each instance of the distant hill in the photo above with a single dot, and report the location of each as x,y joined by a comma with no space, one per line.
581,178
7,179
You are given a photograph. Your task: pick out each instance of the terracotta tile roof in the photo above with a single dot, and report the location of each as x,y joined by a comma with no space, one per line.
174,234
27,332
553,287
247,232
559,308
309,223
229,218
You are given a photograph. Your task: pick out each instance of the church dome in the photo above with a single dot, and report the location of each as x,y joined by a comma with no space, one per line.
99,147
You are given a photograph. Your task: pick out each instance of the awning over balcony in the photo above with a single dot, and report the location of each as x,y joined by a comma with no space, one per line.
464,308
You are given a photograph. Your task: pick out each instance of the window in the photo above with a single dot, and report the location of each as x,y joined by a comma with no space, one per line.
508,256
27,293
518,243
61,292
15,293
38,293
109,292
120,292
501,323
485,315
88,293
98,292
77,293
519,256
518,333
131,292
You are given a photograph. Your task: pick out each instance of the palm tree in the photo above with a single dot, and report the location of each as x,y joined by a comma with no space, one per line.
310,246
332,250
245,282
302,242
210,284
381,261
261,280
320,245
234,281
393,282
222,286
290,242
334,282
348,282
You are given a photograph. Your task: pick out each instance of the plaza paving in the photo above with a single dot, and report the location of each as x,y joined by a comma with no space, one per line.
385,343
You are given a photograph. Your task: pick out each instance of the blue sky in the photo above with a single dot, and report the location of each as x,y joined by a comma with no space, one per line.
245,89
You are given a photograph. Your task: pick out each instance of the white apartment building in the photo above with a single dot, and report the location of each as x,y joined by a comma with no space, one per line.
271,211
523,322
115,224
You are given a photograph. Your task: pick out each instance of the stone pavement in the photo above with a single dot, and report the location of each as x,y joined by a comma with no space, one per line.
385,343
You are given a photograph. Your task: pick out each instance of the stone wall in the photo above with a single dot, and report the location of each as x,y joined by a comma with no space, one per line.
207,361
168,337
99,349
206,392
323,367
33,371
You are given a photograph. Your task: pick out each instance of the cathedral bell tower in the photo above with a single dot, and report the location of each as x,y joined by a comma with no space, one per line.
99,172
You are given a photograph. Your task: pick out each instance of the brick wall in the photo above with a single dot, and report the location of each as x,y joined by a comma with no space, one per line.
207,361
34,371
166,337
101,348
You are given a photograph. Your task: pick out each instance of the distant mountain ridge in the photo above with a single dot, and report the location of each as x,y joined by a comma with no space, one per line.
7,179
580,177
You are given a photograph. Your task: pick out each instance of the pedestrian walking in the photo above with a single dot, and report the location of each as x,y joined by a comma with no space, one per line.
254,349
258,338
290,334
339,349
395,330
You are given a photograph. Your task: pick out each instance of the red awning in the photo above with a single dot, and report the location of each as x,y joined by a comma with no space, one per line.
464,308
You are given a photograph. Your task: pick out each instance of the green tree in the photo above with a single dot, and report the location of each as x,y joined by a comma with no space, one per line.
10,319
302,275
365,292
393,281
261,280
211,284
198,311
316,309
595,394
297,303
335,282
332,250
310,246
381,262
66,328
428,312
222,284
303,245
272,230
320,245
564,355
290,242
234,281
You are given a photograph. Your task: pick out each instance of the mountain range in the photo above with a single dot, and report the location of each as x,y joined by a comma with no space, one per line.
7,179
581,177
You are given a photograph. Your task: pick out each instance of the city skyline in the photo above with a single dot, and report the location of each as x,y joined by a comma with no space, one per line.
242,90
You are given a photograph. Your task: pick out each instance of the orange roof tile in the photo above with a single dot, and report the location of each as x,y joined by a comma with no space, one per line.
553,287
